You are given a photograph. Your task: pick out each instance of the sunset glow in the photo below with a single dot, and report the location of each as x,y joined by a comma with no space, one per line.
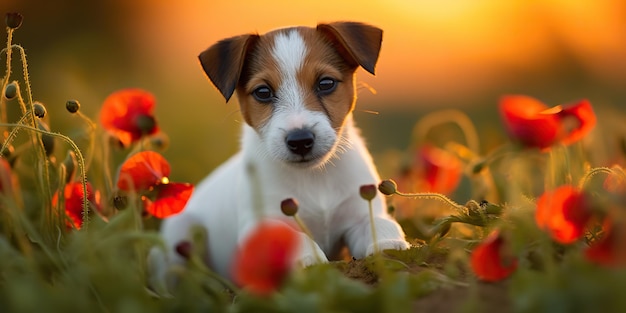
430,47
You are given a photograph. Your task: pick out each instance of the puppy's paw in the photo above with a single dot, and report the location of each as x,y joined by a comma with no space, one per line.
388,244
310,256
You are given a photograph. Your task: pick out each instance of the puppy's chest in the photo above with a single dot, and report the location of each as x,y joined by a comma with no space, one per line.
320,201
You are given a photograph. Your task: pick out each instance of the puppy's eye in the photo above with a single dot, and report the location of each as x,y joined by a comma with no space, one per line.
326,85
263,94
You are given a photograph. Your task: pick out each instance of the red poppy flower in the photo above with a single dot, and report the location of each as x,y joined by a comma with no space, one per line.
266,257
610,249
170,199
73,194
488,260
143,170
441,170
534,124
147,173
128,114
616,181
564,213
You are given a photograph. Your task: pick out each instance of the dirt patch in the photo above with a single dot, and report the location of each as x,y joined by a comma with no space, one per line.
484,298
481,297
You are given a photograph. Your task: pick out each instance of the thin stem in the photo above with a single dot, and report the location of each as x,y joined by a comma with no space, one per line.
79,157
13,134
5,80
40,149
448,116
308,233
195,260
373,228
92,142
593,172
434,196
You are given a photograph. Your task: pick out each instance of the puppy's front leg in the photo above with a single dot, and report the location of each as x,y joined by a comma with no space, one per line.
308,253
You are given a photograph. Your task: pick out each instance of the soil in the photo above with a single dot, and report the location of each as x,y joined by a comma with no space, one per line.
485,297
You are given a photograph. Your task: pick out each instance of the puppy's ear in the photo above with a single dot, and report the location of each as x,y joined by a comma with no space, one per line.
223,62
358,42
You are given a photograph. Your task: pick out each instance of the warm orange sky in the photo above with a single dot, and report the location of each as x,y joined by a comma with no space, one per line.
430,47
436,54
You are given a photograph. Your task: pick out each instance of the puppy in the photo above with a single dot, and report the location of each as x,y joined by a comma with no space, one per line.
296,91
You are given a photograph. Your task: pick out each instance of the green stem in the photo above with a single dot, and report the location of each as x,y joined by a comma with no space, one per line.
309,235
92,142
593,172
433,196
13,134
197,263
448,116
79,157
5,80
373,228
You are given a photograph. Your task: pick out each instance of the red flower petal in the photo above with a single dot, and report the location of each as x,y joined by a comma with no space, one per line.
616,181
170,200
564,213
124,112
73,194
441,169
533,124
488,261
266,257
585,119
527,121
143,170
609,250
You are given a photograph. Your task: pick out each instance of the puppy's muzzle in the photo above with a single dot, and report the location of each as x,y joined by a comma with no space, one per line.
300,141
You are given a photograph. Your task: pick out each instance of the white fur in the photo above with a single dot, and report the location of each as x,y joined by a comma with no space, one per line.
228,203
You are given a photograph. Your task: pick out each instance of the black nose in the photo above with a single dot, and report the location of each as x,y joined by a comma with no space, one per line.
300,141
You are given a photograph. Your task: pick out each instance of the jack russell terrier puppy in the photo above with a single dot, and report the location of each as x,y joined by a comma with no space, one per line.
296,91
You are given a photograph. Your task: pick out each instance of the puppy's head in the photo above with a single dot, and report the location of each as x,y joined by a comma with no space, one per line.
295,85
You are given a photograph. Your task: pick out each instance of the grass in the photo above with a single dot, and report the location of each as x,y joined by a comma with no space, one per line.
48,265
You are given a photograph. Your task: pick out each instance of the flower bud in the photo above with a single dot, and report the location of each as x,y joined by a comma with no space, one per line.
72,106
13,20
289,206
184,249
10,91
39,109
120,202
388,187
159,141
368,192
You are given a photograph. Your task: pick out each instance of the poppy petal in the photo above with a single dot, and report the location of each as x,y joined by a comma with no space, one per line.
563,213
142,171
122,113
585,118
527,121
266,257
608,250
442,170
73,194
170,200
488,261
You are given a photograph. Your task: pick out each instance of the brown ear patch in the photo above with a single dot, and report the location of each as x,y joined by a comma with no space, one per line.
360,43
223,62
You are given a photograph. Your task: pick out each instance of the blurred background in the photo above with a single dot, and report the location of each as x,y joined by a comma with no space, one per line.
436,55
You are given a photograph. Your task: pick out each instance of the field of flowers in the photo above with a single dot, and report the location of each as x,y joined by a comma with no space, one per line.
544,231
